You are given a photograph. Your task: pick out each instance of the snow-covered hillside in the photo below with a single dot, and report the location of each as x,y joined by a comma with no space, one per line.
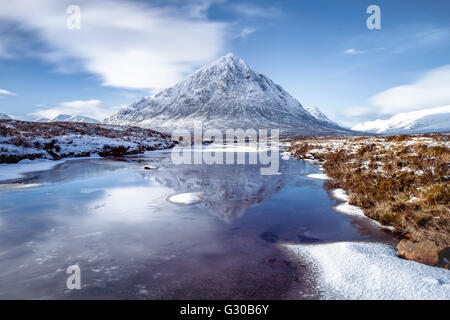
224,94
4,116
423,121
69,118
319,115
44,140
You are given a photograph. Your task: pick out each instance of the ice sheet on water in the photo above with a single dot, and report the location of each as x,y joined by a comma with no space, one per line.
186,198
17,170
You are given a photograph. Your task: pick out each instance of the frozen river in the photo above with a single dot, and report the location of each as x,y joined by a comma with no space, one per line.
246,236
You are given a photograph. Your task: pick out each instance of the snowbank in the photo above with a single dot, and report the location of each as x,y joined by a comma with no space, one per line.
347,209
362,270
340,194
285,156
319,176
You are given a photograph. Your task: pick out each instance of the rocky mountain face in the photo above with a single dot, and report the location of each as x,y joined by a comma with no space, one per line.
225,94
319,115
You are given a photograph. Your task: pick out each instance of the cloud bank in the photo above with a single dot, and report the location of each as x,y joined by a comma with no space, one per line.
4,92
430,90
127,44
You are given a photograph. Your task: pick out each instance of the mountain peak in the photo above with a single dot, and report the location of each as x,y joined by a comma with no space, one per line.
229,58
226,93
229,63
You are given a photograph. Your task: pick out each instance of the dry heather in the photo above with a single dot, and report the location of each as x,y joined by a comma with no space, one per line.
400,181
31,140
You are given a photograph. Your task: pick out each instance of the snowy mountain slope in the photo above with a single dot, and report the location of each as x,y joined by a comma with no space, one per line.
44,140
4,116
319,115
69,118
430,120
224,94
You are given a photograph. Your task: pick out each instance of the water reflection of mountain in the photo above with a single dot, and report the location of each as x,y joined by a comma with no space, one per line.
228,190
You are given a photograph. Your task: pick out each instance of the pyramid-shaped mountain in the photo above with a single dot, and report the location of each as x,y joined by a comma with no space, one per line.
225,94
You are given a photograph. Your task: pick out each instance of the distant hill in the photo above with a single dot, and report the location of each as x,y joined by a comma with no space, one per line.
4,116
69,118
423,121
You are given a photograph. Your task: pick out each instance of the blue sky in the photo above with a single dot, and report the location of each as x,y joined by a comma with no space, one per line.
320,51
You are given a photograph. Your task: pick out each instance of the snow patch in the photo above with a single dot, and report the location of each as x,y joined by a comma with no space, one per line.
319,176
350,210
347,209
361,270
285,156
340,194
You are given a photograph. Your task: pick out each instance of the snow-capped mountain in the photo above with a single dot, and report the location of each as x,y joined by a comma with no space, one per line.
224,94
4,116
319,115
42,120
423,121
69,118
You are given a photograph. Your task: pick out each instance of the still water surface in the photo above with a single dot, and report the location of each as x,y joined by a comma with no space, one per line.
112,218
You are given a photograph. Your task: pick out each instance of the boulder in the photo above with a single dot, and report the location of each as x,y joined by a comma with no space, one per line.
426,252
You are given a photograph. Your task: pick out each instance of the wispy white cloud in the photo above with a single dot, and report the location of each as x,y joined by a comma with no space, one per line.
245,32
251,10
411,38
89,108
351,115
357,112
399,40
197,8
431,90
4,92
127,44
353,51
